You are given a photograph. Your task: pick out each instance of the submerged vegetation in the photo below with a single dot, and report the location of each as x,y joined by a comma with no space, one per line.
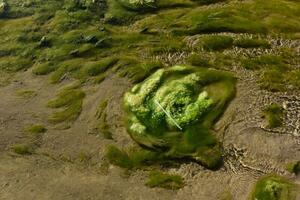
69,101
87,41
273,115
22,149
293,167
163,180
173,110
274,188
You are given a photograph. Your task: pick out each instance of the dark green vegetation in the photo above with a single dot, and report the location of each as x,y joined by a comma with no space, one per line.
88,40
135,157
69,101
35,129
273,115
22,149
274,188
276,72
294,167
189,95
213,43
163,180
252,43
102,125
70,39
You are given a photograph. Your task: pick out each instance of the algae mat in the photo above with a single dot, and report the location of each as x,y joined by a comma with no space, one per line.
173,110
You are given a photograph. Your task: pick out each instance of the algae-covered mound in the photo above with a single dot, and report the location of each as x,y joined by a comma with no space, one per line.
274,188
173,110
138,5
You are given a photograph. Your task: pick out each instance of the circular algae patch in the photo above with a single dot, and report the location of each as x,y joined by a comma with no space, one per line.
173,110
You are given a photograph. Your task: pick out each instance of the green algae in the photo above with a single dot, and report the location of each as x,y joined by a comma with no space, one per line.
274,188
187,95
164,180
69,104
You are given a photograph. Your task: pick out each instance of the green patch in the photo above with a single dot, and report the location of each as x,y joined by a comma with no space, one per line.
14,63
215,43
276,72
102,125
118,157
163,180
274,188
262,61
198,60
69,101
68,67
135,157
43,68
94,68
273,115
190,106
26,94
23,149
293,167
252,43
35,129
135,70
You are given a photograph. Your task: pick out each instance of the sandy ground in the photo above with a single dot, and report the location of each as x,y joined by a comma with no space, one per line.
56,172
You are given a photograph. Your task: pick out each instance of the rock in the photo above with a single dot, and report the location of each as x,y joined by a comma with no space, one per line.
91,39
144,30
44,42
103,43
74,53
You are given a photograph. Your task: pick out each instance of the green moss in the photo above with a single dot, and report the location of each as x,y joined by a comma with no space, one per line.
226,19
262,61
168,45
273,115
135,70
102,125
293,167
198,60
116,14
70,67
188,95
252,43
272,80
69,101
14,64
22,149
293,78
26,94
274,188
36,129
135,157
248,17
94,68
43,68
215,43
276,72
118,157
163,180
